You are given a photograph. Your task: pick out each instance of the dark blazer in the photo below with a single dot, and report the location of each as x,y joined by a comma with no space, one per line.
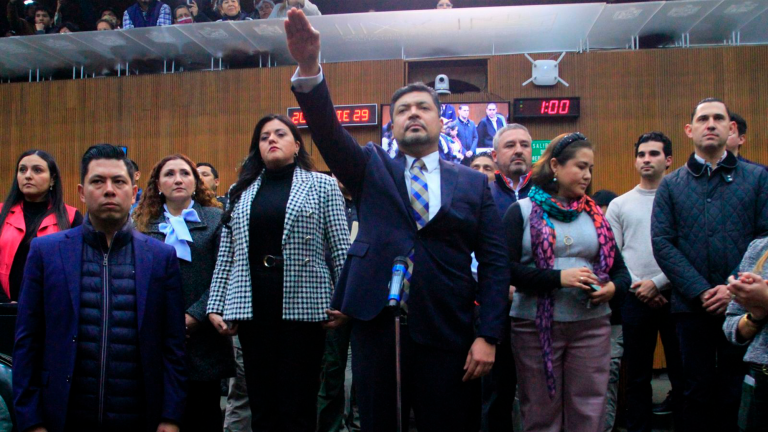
209,354
442,291
47,329
486,131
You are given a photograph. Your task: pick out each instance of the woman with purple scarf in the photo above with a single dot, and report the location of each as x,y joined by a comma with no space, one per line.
566,268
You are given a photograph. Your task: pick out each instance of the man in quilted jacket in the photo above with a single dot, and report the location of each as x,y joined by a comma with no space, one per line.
705,215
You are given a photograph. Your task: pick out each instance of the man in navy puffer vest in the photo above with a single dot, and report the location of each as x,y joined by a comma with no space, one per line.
100,330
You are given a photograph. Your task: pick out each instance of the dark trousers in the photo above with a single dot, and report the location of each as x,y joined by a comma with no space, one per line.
431,379
331,400
499,388
282,373
281,360
203,410
753,415
641,325
713,371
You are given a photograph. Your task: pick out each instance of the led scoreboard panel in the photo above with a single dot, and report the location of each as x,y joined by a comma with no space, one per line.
546,108
348,115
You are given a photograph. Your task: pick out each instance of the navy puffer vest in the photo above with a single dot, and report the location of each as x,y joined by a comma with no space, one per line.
107,381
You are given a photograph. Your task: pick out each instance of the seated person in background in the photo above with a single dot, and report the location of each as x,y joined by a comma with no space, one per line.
182,15
305,5
21,27
262,9
68,27
147,13
444,4
485,164
230,11
111,14
105,24
194,11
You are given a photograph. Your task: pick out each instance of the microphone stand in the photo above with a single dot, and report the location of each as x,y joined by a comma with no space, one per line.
398,372
395,294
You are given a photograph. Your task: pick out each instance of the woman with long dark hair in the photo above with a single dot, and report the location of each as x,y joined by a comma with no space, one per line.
566,267
178,209
34,207
272,284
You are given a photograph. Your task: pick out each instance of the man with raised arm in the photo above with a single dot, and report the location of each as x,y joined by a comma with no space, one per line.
436,214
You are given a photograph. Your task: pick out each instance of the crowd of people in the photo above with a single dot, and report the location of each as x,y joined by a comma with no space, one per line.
517,281
34,18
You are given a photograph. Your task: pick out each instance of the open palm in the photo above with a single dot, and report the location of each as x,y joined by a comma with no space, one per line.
303,42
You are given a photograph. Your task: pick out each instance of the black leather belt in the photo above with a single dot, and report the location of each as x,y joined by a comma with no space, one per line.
271,261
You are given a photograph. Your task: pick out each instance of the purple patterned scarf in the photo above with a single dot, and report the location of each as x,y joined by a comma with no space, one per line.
543,239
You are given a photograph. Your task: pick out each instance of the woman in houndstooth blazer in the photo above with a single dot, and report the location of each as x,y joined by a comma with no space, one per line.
272,284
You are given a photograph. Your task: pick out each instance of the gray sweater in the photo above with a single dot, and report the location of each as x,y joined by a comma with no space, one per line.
630,219
757,352
570,303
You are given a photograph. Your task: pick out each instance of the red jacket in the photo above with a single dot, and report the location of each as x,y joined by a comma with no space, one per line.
13,232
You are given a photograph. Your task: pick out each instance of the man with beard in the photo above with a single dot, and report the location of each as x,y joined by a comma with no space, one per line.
436,214
512,154
147,13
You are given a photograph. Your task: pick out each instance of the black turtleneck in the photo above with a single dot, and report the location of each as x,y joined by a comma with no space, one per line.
268,214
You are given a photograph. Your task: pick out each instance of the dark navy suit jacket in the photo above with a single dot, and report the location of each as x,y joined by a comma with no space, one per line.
443,292
47,328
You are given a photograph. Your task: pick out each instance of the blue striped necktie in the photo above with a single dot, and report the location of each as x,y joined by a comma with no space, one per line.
420,208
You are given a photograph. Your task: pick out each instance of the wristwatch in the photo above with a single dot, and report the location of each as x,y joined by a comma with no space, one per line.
757,322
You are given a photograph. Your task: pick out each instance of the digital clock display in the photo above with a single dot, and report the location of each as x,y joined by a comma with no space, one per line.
348,115
546,108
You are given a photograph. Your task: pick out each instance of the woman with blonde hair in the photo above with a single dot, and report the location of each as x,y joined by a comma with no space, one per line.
566,267
178,209
746,325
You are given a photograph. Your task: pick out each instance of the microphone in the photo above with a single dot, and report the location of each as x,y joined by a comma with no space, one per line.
396,283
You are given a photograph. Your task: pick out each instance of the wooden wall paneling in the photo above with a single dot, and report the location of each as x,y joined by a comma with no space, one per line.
210,115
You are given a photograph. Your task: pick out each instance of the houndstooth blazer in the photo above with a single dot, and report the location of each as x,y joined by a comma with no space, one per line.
315,215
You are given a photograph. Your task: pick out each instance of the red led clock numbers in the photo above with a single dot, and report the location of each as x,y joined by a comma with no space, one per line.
348,115
546,108
555,107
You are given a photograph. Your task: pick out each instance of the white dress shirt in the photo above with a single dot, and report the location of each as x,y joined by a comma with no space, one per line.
431,161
